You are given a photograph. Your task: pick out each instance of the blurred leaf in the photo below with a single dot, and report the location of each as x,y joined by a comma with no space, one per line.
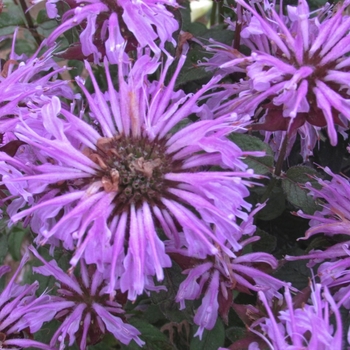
153,314
152,336
42,17
260,165
166,299
211,340
3,247
15,240
46,333
275,205
235,333
77,68
62,258
266,244
295,272
12,16
108,343
297,194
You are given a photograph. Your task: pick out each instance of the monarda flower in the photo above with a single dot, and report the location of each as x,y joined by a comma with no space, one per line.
308,327
83,307
22,313
104,25
217,277
332,219
26,85
297,71
104,187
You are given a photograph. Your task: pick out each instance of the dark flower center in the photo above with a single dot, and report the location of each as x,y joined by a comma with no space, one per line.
133,168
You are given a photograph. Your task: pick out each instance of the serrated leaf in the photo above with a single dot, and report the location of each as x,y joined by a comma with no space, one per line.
275,205
15,240
295,272
260,165
211,340
297,194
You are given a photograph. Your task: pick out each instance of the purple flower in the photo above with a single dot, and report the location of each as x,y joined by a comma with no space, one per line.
83,307
104,25
26,85
22,313
297,70
104,189
308,327
333,219
334,197
222,274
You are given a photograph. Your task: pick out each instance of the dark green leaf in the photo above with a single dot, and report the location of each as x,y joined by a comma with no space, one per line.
42,17
275,205
166,299
152,336
267,242
235,333
293,186
211,340
12,16
15,242
3,247
260,165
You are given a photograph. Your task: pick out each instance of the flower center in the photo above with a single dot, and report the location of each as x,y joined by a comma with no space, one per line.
133,168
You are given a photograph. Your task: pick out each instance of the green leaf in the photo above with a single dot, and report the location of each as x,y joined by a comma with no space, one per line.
47,282
152,336
235,333
260,165
266,244
12,16
211,340
15,242
166,299
3,247
275,205
297,194
42,17
295,272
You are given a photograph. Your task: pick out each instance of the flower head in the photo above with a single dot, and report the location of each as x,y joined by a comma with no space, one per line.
333,196
105,24
104,189
27,84
22,313
297,72
308,327
84,308
216,278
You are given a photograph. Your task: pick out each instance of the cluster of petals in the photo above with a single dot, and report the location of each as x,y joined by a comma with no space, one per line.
297,70
69,195
308,327
27,84
22,313
333,219
82,305
221,275
106,24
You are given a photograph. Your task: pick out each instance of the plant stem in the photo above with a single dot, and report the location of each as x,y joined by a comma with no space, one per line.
213,14
30,24
277,171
